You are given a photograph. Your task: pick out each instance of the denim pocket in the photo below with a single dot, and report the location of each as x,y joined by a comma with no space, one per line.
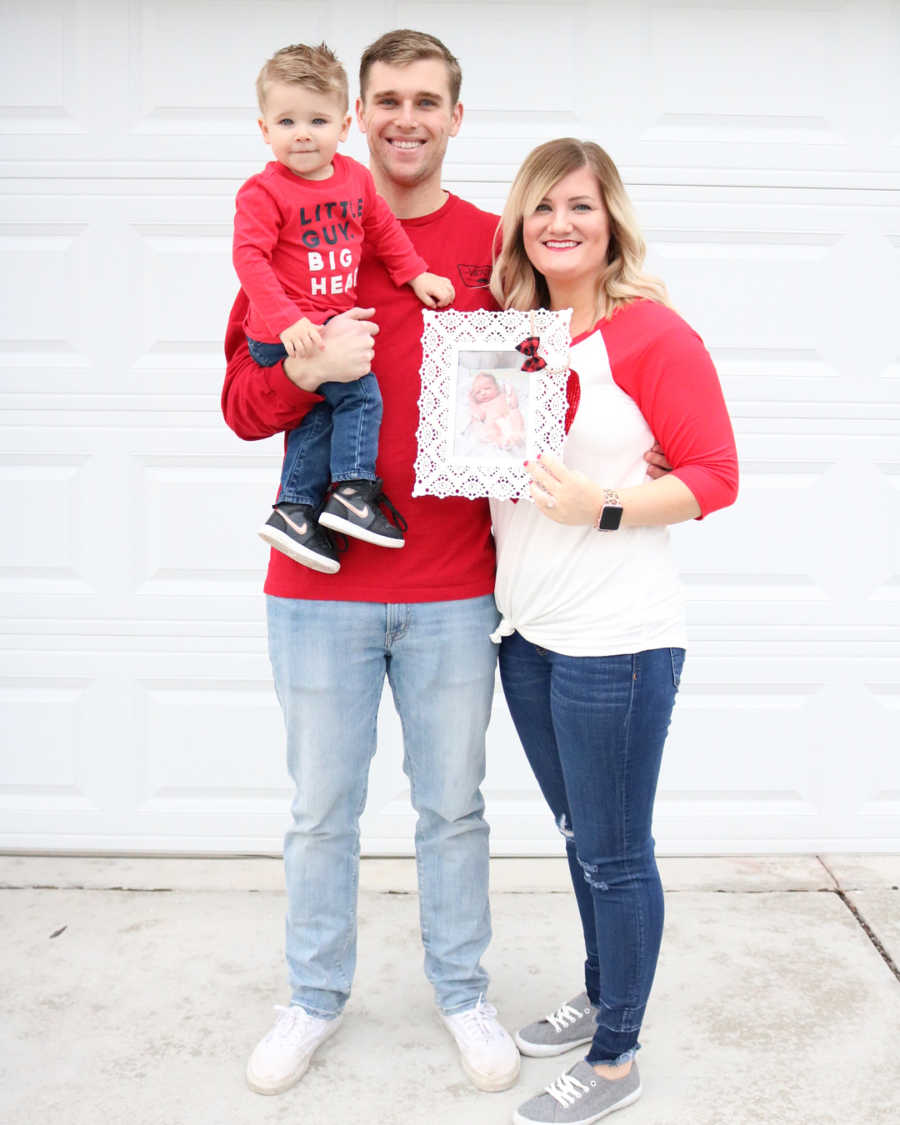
677,655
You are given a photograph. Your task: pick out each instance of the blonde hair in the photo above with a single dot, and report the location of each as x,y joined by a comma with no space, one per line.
515,283
315,68
403,47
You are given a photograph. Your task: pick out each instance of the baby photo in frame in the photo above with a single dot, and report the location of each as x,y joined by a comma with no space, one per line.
491,408
493,395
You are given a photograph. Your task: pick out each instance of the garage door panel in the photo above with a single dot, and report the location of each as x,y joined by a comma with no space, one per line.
195,523
145,523
46,260
205,740
165,57
50,106
41,501
770,727
745,726
41,761
123,299
879,764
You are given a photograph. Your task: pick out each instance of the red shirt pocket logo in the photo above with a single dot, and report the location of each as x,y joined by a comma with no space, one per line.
475,277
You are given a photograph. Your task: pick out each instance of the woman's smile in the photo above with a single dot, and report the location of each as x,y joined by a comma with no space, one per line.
566,236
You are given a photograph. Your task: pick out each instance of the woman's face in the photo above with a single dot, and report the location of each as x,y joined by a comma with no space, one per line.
566,237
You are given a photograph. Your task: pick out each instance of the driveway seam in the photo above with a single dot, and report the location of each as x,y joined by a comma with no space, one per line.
868,931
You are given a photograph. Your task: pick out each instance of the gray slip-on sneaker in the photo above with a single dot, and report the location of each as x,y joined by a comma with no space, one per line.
569,1026
580,1097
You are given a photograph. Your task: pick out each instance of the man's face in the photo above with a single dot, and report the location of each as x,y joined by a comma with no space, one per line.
408,119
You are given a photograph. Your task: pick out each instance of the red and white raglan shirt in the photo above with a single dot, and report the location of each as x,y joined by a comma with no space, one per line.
644,375
449,553
297,244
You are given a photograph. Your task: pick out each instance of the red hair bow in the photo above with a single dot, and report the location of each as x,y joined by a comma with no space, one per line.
529,347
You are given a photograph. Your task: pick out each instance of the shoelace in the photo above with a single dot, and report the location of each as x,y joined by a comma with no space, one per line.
396,518
338,539
479,1022
567,1089
563,1016
289,1018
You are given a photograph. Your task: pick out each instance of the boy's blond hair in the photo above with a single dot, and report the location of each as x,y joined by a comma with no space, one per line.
316,68
403,47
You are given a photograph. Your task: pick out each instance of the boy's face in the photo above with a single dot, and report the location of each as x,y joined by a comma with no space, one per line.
408,118
304,128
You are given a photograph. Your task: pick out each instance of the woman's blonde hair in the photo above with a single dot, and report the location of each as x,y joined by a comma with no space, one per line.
515,283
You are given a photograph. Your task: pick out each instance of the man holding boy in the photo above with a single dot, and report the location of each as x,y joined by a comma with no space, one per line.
424,621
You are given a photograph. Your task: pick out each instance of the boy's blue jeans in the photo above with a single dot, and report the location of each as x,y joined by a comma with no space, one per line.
337,440
593,729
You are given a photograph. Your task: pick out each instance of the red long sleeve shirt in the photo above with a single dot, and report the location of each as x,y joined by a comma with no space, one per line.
297,244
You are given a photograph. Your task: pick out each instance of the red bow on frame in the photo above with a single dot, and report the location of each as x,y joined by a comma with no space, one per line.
529,347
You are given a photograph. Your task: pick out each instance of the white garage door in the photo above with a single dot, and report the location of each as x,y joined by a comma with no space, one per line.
761,141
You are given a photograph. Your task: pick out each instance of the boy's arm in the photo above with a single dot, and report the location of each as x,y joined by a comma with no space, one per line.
260,401
257,222
389,240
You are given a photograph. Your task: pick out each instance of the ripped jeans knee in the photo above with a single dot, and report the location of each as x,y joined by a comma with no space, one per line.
622,873
565,828
591,872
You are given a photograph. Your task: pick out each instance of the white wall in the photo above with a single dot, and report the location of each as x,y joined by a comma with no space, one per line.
761,142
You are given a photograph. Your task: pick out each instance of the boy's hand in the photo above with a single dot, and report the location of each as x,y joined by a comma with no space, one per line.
433,291
302,339
347,355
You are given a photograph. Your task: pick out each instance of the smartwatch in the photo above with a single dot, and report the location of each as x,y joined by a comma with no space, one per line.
611,513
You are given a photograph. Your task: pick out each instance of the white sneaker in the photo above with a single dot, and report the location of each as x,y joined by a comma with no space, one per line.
487,1052
281,1057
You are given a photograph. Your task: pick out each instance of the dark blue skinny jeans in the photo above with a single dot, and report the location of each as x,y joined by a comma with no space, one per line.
593,729
337,439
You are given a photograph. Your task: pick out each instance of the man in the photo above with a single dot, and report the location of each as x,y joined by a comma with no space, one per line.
421,616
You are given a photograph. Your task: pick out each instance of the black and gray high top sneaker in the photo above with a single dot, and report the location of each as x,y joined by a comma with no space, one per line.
293,530
354,507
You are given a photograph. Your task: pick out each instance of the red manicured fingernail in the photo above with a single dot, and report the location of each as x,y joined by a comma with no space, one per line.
539,457
525,463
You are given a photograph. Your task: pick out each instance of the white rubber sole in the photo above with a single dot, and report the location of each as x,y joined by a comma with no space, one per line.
546,1050
260,1086
295,551
629,1099
489,1083
336,523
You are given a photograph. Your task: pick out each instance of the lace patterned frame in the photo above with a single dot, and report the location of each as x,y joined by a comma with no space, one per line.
438,470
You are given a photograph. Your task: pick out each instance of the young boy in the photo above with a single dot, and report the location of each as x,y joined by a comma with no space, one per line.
298,234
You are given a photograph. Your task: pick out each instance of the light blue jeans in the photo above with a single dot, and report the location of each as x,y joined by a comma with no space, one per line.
329,661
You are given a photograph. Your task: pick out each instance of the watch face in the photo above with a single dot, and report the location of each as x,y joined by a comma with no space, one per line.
610,518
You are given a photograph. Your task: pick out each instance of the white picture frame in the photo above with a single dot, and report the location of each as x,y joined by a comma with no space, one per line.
482,412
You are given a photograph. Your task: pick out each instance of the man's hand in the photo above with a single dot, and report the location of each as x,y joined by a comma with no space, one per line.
657,465
302,339
346,354
433,291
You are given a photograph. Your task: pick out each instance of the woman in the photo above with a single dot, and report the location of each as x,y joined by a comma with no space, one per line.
592,631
